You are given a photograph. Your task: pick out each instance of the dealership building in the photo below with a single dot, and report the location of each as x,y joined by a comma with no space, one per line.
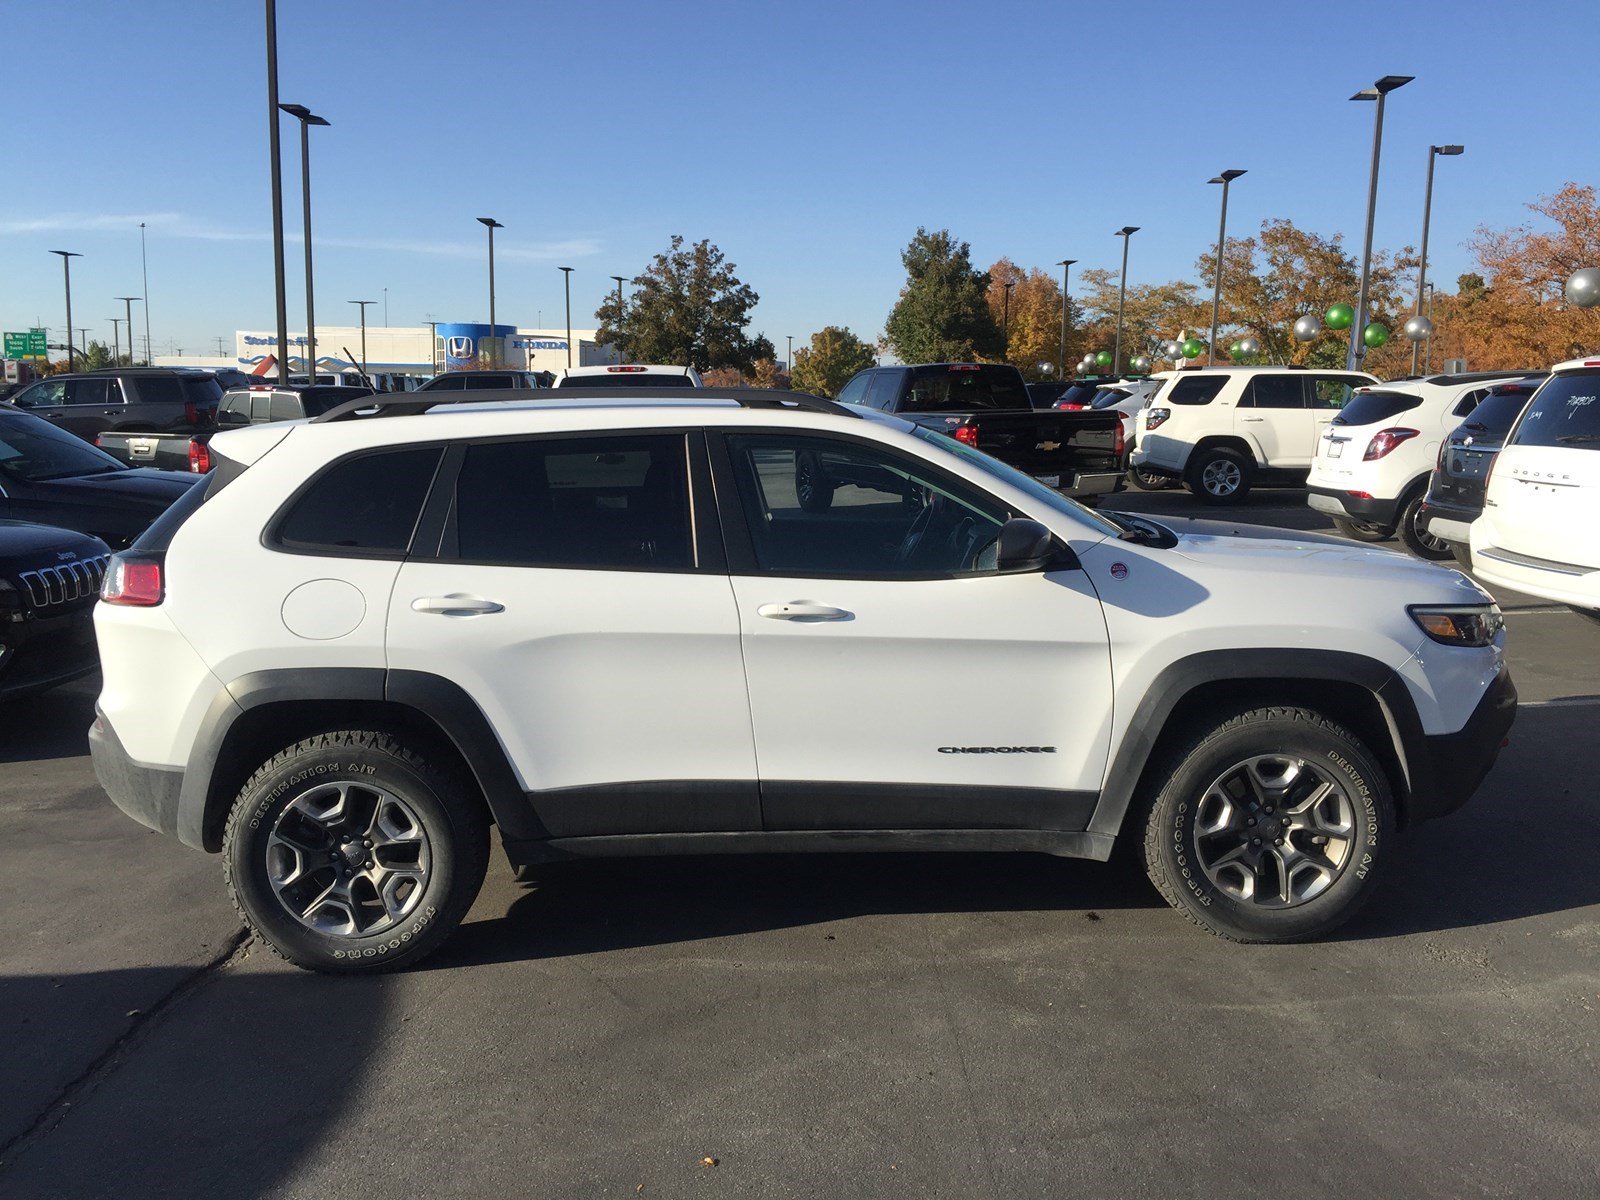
415,350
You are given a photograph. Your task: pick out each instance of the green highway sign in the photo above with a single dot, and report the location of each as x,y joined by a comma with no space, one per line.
30,344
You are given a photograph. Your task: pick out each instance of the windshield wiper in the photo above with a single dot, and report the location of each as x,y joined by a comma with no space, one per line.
1568,439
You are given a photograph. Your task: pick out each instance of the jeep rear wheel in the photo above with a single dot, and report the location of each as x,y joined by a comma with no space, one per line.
1267,827
1219,476
346,852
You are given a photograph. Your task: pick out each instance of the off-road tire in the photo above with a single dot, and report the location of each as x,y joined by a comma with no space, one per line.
1149,481
1172,809
454,822
1412,536
1219,461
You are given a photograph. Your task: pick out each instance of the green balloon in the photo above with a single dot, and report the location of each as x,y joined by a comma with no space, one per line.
1375,335
1193,348
1236,351
1103,358
1339,316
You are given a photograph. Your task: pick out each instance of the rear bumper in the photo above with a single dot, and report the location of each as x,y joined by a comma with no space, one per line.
147,794
1565,583
1455,764
1447,521
1338,503
1098,484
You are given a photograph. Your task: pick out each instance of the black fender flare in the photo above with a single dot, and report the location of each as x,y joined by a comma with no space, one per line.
443,704
1300,666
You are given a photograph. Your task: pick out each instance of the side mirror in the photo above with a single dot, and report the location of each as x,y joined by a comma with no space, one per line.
1026,545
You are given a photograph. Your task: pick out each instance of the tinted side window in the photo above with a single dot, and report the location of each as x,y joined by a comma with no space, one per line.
204,391
599,502
446,383
1469,402
1201,390
1275,391
855,392
885,386
47,394
283,408
820,507
1330,393
87,391
368,503
158,389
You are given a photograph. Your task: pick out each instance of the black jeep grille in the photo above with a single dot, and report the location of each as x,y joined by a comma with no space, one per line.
68,583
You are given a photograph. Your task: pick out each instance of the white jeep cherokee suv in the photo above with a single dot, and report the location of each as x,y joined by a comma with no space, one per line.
1540,528
1374,459
1224,429
608,626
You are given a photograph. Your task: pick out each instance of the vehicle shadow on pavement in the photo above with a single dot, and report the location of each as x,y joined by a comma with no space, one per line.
54,725
222,1095
592,907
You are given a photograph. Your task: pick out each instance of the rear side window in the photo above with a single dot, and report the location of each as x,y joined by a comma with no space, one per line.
1275,391
1202,389
610,503
965,388
1564,412
159,389
201,390
1375,407
368,504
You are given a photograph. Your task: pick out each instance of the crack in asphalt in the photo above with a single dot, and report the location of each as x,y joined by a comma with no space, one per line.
109,1060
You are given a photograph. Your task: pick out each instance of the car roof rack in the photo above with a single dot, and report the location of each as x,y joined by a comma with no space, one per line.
411,403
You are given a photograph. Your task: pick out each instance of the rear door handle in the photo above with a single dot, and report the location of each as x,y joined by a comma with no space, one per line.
1258,420
456,605
800,610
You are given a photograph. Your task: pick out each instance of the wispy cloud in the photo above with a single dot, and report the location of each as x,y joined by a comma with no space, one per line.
178,226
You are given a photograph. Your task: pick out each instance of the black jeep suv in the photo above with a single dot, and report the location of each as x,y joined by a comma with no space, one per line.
49,579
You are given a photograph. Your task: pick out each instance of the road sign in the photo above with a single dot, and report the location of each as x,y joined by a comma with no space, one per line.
16,345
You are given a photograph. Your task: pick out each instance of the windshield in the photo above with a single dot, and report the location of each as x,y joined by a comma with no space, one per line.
34,450
1017,479
622,379
1564,412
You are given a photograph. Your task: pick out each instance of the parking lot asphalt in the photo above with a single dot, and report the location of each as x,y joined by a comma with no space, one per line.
919,1025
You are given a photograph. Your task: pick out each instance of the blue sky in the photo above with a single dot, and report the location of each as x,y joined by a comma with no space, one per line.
807,140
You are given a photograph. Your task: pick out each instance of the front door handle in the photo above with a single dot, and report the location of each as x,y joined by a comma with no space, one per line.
802,610
456,605
1257,420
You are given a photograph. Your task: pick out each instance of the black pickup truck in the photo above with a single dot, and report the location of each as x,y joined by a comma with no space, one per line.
986,405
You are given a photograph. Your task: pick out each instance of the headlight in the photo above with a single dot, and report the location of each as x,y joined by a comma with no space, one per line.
1459,624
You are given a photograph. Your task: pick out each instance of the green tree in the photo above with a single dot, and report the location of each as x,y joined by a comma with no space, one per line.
688,307
942,314
825,366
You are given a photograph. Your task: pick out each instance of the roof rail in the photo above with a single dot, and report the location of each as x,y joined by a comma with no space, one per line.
410,403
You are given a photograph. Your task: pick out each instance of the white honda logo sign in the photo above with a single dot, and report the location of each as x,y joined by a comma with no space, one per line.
459,347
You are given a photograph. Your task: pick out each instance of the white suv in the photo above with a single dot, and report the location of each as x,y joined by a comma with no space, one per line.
1374,459
1224,429
608,626
1540,528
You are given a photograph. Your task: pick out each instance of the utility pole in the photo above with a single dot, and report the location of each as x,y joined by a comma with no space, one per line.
1066,266
66,270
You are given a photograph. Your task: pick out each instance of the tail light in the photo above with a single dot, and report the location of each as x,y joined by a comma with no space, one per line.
1068,406
967,435
1120,442
97,441
1386,440
1444,448
1154,418
135,579
199,457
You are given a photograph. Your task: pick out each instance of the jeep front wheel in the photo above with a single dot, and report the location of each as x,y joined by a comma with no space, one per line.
1267,827
348,853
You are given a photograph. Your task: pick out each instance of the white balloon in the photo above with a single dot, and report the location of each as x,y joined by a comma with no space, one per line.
1583,287
1418,328
1307,328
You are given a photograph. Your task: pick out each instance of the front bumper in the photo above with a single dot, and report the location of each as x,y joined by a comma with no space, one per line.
147,794
1337,503
1450,766
41,654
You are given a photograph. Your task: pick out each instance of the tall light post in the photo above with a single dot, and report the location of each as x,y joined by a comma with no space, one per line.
307,119
1422,263
1427,350
790,360
116,340
618,278
363,306
566,276
491,225
66,270
1378,92
277,196
1125,233
1005,321
1224,179
127,310
1066,265
144,267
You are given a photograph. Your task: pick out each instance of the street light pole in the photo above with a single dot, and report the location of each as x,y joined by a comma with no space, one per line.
367,379
277,196
66,270
491,224
116,340
127,309
307,119
1427,353
1427,214
790,360
1005,322
1378,92
1066,266
566,275
1224,179
144,267
618,278
1125,233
